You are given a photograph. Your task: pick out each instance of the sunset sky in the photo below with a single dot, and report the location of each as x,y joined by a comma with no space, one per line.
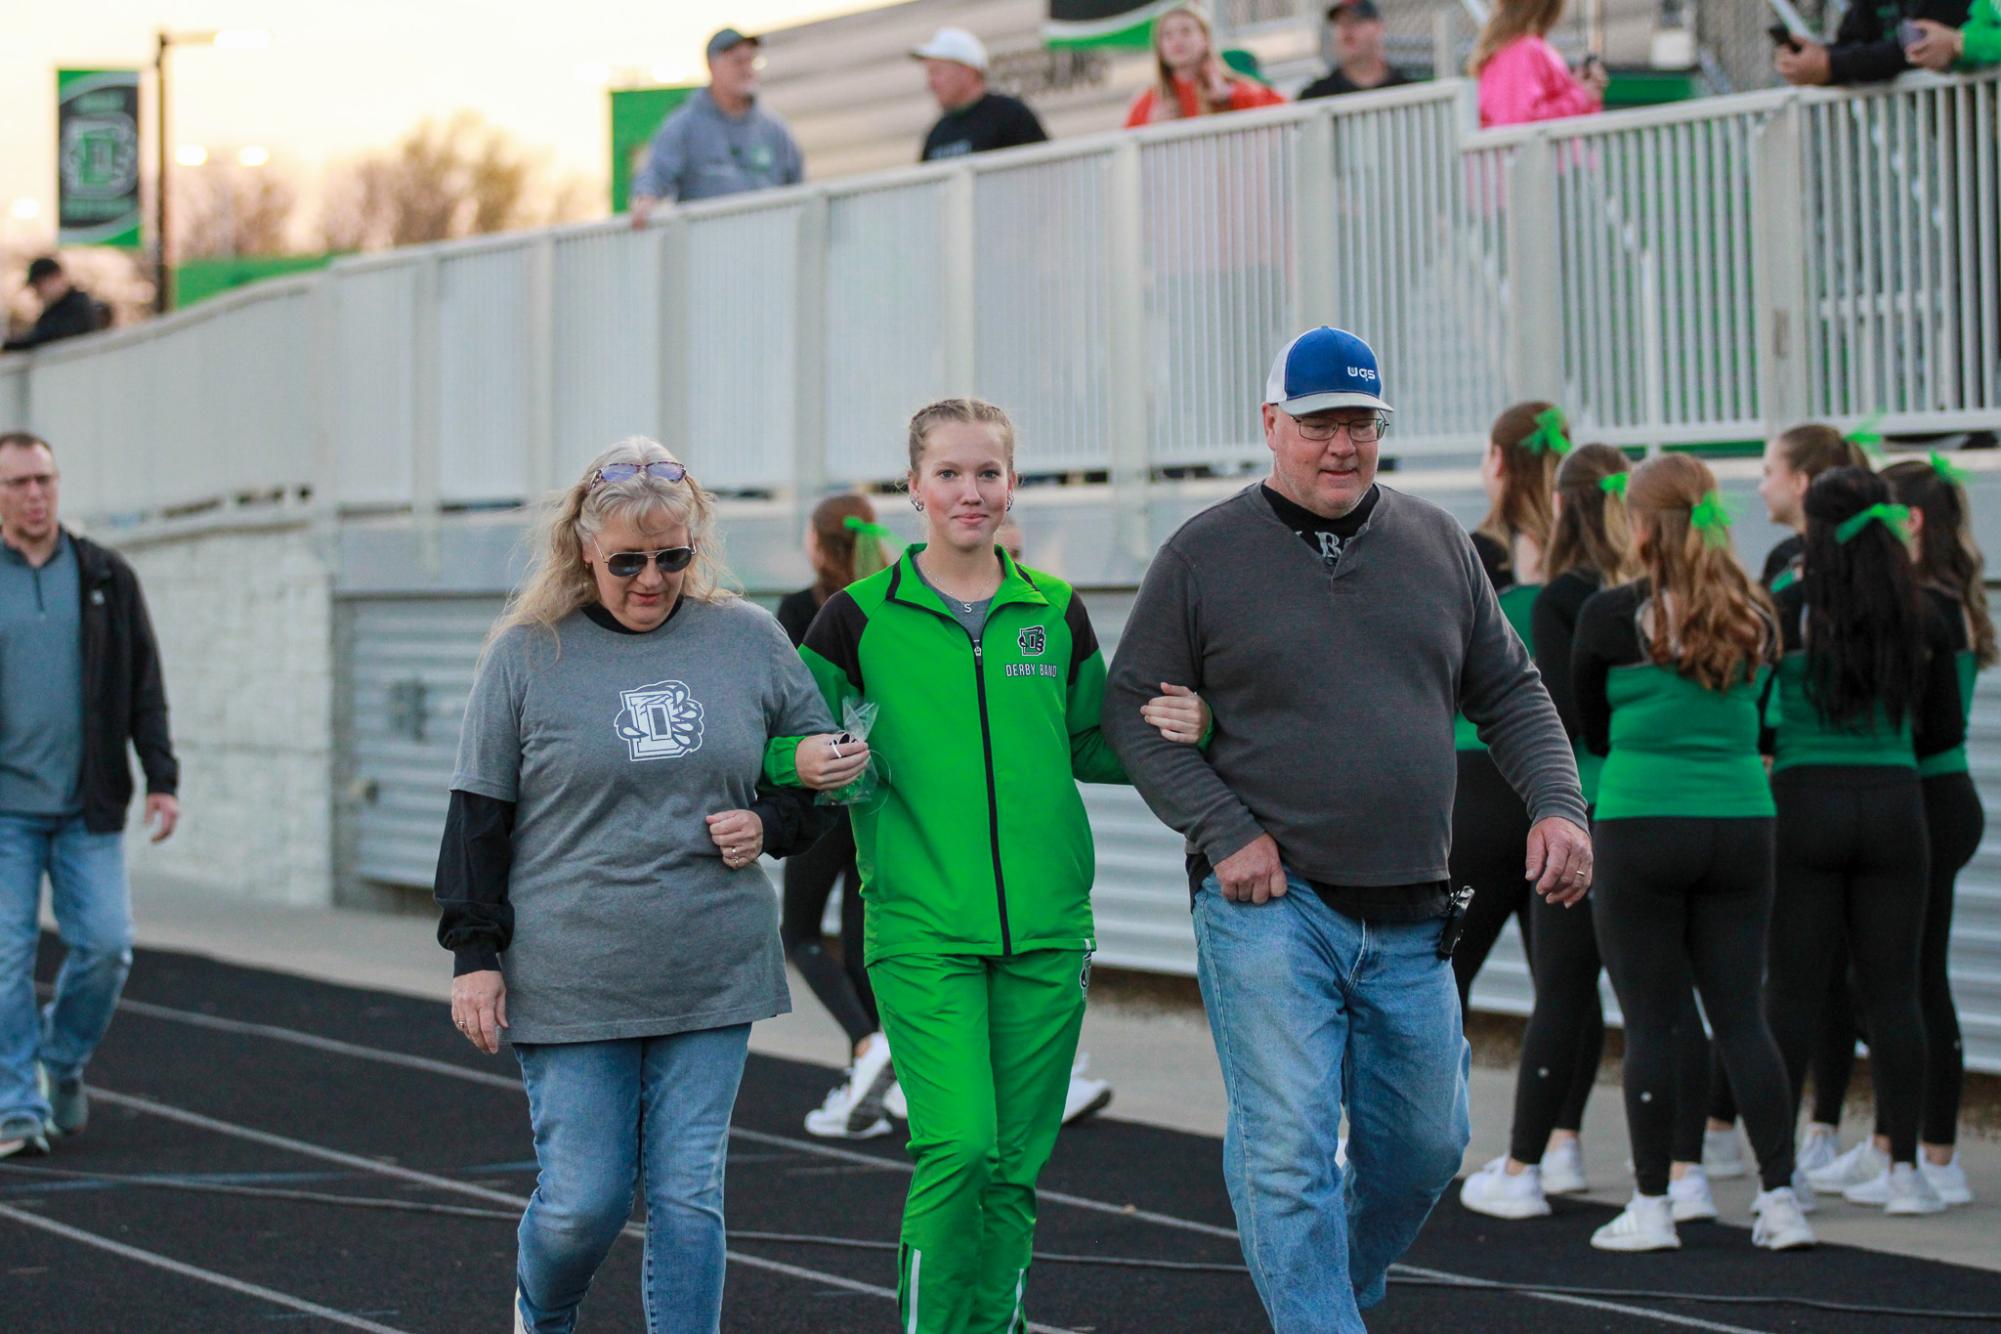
339,79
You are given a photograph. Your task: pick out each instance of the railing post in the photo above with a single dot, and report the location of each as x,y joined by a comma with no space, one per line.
664,270
956,251
1312,238
1534,304
808,427
1125,275
539,394
322,373
426,389
1778,266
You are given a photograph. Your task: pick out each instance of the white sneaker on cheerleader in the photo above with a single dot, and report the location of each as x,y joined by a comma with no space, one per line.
853,1109
1087,1097
1910,1193
1779,1223
1803,1194
1722,1155
893,1103
1948,1179
1865,1162
1563,1169
1819,1149
1646,1225
1691,1197
1491,1191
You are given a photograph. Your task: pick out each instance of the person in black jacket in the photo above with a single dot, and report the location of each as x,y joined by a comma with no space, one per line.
1358,45
79,680
67,310
1866,47
973,120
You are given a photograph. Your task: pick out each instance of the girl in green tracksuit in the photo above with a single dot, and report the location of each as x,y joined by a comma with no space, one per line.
976,859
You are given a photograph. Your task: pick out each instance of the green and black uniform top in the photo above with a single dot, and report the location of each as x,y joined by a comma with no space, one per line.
1782,566
1805,741
979,842
1517,602
1966,667
1672,746
1553,623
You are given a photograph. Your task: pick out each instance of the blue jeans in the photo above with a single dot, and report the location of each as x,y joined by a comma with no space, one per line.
93,909
1312,1010
609,1116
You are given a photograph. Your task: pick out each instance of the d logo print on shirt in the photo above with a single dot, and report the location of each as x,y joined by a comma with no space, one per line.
1032,641
660,722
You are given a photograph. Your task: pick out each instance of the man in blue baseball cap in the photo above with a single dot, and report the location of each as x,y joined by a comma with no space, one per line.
1318,818
720,141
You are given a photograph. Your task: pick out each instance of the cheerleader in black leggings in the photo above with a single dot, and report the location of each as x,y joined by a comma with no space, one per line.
1489,823
1868,688
1949,571
1667,673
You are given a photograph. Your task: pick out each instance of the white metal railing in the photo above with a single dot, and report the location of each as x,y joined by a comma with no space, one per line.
1703,271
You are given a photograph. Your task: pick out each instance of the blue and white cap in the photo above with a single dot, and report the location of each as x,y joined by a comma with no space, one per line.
1325,368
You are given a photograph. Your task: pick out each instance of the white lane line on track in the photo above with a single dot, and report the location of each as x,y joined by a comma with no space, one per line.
167,1111
195,1272
451,1071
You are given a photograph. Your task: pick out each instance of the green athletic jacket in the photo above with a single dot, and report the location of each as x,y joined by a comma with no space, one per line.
981,845
1980,39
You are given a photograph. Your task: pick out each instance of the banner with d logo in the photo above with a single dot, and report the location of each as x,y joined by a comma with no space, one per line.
97,158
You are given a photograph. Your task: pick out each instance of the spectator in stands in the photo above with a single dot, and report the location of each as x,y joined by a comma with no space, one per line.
67,309
1193,81
1975,46
80,674
1522,78
1866,47
720,141
1358,44
975,120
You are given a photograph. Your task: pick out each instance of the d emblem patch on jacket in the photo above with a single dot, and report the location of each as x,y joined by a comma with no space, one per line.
1032,641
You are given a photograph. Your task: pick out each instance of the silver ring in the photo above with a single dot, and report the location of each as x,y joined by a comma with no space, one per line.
836,747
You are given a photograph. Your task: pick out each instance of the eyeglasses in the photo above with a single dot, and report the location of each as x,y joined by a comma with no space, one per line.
626,564
1361,430
622,472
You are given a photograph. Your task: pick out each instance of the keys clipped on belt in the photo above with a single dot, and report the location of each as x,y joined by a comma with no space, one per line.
1455,922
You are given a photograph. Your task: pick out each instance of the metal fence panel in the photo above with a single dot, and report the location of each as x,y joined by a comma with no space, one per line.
375,391
486,422
742,345
608,298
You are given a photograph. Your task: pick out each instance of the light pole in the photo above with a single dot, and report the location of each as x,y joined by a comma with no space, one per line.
163,289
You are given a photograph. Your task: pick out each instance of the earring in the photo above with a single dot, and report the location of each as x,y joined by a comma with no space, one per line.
1010,503
917,504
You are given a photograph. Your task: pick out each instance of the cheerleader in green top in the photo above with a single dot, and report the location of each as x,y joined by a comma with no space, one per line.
1667,673
1868,688
1490,825
1793,458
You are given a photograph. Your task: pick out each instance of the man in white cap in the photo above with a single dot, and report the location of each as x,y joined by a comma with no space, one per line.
975,120
1335,626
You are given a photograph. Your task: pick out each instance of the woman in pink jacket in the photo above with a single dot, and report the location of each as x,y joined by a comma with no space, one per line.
1522,78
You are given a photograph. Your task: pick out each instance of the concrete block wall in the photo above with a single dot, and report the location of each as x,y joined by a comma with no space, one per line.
245,622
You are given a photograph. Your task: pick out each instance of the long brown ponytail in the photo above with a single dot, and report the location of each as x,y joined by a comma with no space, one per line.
1711,623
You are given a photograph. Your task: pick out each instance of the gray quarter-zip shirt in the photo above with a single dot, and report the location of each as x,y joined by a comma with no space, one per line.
1333,691
702,153
41,683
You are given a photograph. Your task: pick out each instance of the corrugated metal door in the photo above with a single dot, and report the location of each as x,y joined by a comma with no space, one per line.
1976,920
406,668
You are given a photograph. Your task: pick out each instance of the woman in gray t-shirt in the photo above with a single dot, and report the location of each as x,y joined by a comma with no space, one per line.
599,884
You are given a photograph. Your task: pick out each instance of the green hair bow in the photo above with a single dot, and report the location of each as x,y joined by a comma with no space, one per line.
1548,436
1711,517
1614,483
1894,517
1868,436
1948,470
871,544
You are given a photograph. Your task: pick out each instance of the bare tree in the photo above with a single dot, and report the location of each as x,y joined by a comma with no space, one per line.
459,177
222,209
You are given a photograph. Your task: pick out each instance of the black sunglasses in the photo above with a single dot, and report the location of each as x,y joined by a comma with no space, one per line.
619,472
626,564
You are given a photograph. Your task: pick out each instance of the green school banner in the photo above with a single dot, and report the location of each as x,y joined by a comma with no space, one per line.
97,158
1114,23
636,114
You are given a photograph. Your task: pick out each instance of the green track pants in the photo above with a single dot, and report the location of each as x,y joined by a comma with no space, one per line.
983,1049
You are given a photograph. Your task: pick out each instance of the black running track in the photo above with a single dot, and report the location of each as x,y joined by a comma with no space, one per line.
234,1080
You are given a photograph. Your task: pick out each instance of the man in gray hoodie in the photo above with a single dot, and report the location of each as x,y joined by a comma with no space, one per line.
1334,627
720,141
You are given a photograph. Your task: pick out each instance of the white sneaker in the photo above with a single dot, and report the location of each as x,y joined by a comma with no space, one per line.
1778,1221
893,1103
1875,1192
1646,1225
520,1322
1491,1191
1821,1147
1722,1155
853,1109
1864,1162
1911,1193
1087,1097
1563,1169
1691,1197
1803,1194
1948,1179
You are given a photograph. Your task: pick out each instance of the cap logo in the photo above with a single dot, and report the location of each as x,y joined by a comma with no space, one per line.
1362,372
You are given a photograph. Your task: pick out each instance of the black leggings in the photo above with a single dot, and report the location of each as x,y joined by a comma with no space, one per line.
1688,896
1954,822
1833,1058
1852,864
1490,838
810,877
1566,1032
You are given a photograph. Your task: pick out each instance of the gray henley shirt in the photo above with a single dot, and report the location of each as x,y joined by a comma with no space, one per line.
41,683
